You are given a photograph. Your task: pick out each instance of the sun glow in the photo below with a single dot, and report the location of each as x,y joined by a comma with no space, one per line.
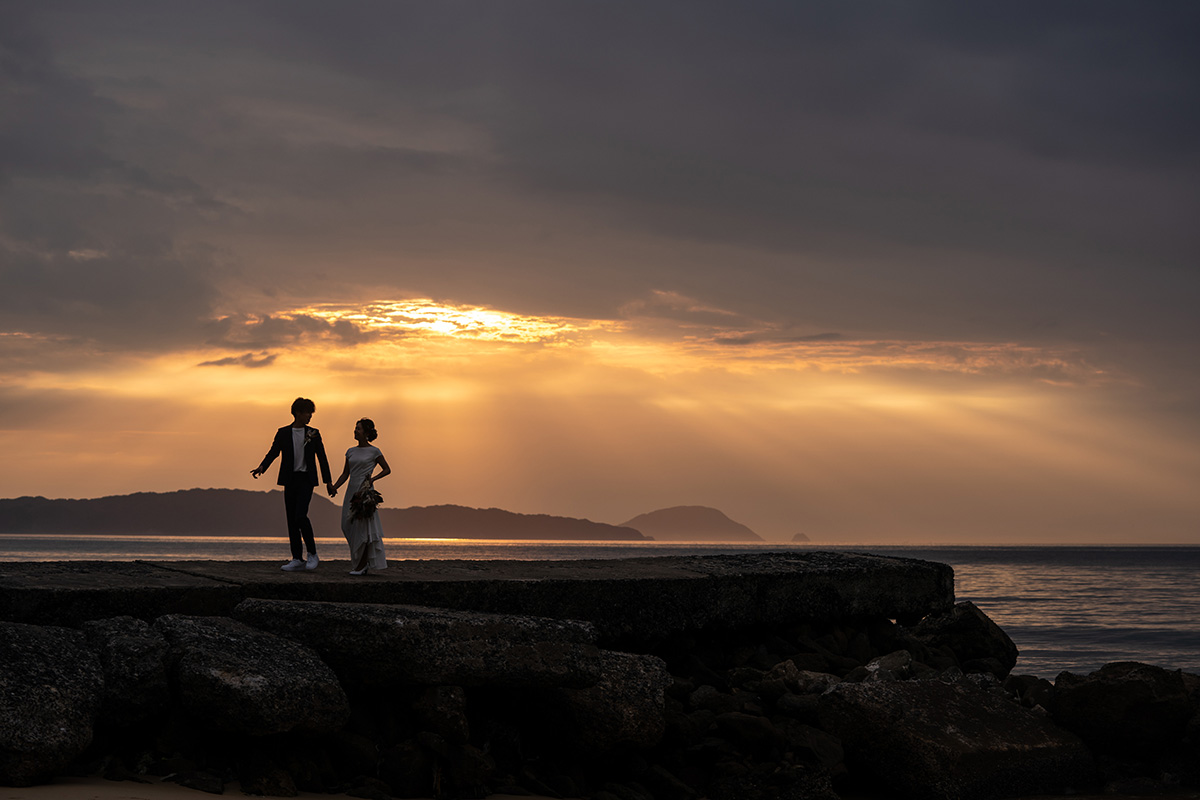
427,317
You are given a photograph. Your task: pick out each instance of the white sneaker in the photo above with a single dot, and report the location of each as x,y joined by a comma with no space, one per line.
312,561
293,565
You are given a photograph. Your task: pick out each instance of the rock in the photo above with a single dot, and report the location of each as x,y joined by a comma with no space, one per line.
467,772
771,782
443,710
533,784
234,678
695,667
818,662
819,657
51,685
115,769
1140,786
709,698
1031,690
665,786
752,735
815,682
858,675
132,655
804,707
201,781
1124,707
626,707
370,791
813,745
896,666
928,739
352,754
408,770
972,636
264,778
770,690
382,645
685,730
786,673
745,676
560,784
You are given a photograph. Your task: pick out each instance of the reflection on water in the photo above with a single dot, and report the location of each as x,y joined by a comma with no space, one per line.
104,547
1073,608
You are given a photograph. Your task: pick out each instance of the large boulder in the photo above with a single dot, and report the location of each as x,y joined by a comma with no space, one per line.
132,655
50,692
626,707
382,645
952,741
234,678
979,643
1124,707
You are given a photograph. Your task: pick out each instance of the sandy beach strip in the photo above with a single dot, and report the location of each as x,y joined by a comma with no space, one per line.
100,789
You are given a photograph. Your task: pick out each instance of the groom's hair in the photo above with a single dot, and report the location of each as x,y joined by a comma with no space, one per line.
302,404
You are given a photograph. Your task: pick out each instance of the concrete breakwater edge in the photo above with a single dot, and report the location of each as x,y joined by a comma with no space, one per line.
797,675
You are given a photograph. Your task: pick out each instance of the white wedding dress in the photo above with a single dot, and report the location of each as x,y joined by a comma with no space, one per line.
362,534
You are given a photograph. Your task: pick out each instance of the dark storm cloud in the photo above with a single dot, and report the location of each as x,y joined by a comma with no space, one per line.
1034,165
963,170
87,240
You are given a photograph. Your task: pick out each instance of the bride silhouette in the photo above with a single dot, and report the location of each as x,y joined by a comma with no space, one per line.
360,522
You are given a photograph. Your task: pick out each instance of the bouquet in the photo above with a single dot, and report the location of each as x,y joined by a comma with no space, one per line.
364,501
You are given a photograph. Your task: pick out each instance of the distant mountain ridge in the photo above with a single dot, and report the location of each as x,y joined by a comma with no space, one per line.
691,524
238,512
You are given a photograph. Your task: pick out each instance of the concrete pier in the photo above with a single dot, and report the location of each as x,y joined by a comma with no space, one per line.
628,600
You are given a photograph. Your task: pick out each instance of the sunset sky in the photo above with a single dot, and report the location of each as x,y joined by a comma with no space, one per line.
873,272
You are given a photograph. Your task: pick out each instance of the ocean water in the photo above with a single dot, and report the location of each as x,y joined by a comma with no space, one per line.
1066,607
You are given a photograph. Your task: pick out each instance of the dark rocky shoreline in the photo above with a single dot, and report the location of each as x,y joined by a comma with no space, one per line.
751,676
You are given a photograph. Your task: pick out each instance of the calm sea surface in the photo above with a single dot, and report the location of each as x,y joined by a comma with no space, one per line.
1066,608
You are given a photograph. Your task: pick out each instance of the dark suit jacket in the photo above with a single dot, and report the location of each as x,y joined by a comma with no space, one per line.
314,450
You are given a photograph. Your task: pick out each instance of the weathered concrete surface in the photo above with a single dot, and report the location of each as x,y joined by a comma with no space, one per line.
640,599
71,592
383,645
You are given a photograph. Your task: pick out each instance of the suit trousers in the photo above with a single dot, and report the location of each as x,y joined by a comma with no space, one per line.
297,494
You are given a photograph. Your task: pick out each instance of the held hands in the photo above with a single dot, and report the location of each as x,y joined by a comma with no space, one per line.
329,487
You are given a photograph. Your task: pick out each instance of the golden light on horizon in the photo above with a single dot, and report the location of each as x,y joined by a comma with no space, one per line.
544,414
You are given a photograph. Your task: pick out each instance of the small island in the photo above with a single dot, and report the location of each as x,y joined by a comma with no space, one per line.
691,524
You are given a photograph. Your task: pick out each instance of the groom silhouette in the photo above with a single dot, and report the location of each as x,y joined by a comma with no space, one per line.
300,445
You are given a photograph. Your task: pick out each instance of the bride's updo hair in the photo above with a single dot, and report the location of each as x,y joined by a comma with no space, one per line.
368,427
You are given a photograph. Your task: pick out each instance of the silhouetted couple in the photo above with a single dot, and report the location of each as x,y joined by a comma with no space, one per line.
301,449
